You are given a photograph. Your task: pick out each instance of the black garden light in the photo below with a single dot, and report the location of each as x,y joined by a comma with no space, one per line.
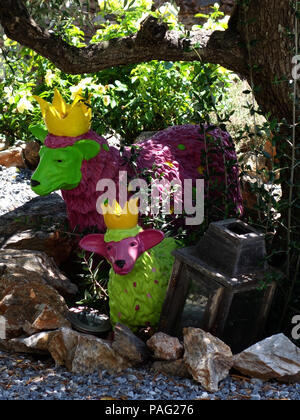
89,321
217,285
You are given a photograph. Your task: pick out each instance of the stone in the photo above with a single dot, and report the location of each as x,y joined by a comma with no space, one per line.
254,163
47,318
4,143
207,358
49,211
249,197
12,157
35,344
30,308
165,347
276,357
258,165
31,154
174,368
83,353
52,241
2,328
129,346
40,224
144,135
24,267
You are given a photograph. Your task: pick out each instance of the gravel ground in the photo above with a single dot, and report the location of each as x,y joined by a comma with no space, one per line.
24,377
14,188
27,378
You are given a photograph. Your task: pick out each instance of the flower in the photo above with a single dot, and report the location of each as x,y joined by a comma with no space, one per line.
9,95
106,100
49,78
24,105
100,89
86,83
8,91
75,90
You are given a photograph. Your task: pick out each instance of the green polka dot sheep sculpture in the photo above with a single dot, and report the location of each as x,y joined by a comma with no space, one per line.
141,263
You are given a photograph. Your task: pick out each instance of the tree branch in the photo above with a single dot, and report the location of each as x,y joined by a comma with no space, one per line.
152,42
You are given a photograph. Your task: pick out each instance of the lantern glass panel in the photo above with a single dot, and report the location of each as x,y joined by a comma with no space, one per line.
241,325
195,306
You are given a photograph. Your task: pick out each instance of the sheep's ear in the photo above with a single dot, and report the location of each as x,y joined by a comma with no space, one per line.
150,237
88,148
94,243
39,131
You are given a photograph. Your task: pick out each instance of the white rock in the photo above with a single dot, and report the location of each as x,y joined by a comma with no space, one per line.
207,358
2,328
275,357
165,347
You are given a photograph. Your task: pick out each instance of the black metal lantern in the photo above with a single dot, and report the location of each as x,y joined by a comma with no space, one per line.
216,285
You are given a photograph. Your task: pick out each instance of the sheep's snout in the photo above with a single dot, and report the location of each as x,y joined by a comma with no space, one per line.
120,263
34,183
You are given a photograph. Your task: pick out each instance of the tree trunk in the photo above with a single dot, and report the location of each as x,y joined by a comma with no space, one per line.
264,26
267,28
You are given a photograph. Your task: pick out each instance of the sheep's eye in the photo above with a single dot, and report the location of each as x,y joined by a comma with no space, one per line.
108,248
59,160
133,244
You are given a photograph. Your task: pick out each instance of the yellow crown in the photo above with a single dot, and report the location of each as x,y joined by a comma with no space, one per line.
63,119
116,217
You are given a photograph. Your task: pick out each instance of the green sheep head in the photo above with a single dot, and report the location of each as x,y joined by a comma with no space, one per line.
60,169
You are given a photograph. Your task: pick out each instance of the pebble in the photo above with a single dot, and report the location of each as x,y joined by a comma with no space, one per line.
24,377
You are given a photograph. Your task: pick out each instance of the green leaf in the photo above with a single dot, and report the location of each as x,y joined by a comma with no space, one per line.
120,86
201,15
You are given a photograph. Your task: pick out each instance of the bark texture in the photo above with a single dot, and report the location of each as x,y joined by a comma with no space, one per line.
264,26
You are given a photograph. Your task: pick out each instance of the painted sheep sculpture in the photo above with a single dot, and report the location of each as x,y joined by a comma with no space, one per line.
74,159
141,264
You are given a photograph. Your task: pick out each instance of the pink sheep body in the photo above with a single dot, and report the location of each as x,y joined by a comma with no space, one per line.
177,153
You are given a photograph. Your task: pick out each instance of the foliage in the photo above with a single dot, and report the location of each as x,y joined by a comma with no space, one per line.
156,95
274,192
92,278
120,18
127,99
